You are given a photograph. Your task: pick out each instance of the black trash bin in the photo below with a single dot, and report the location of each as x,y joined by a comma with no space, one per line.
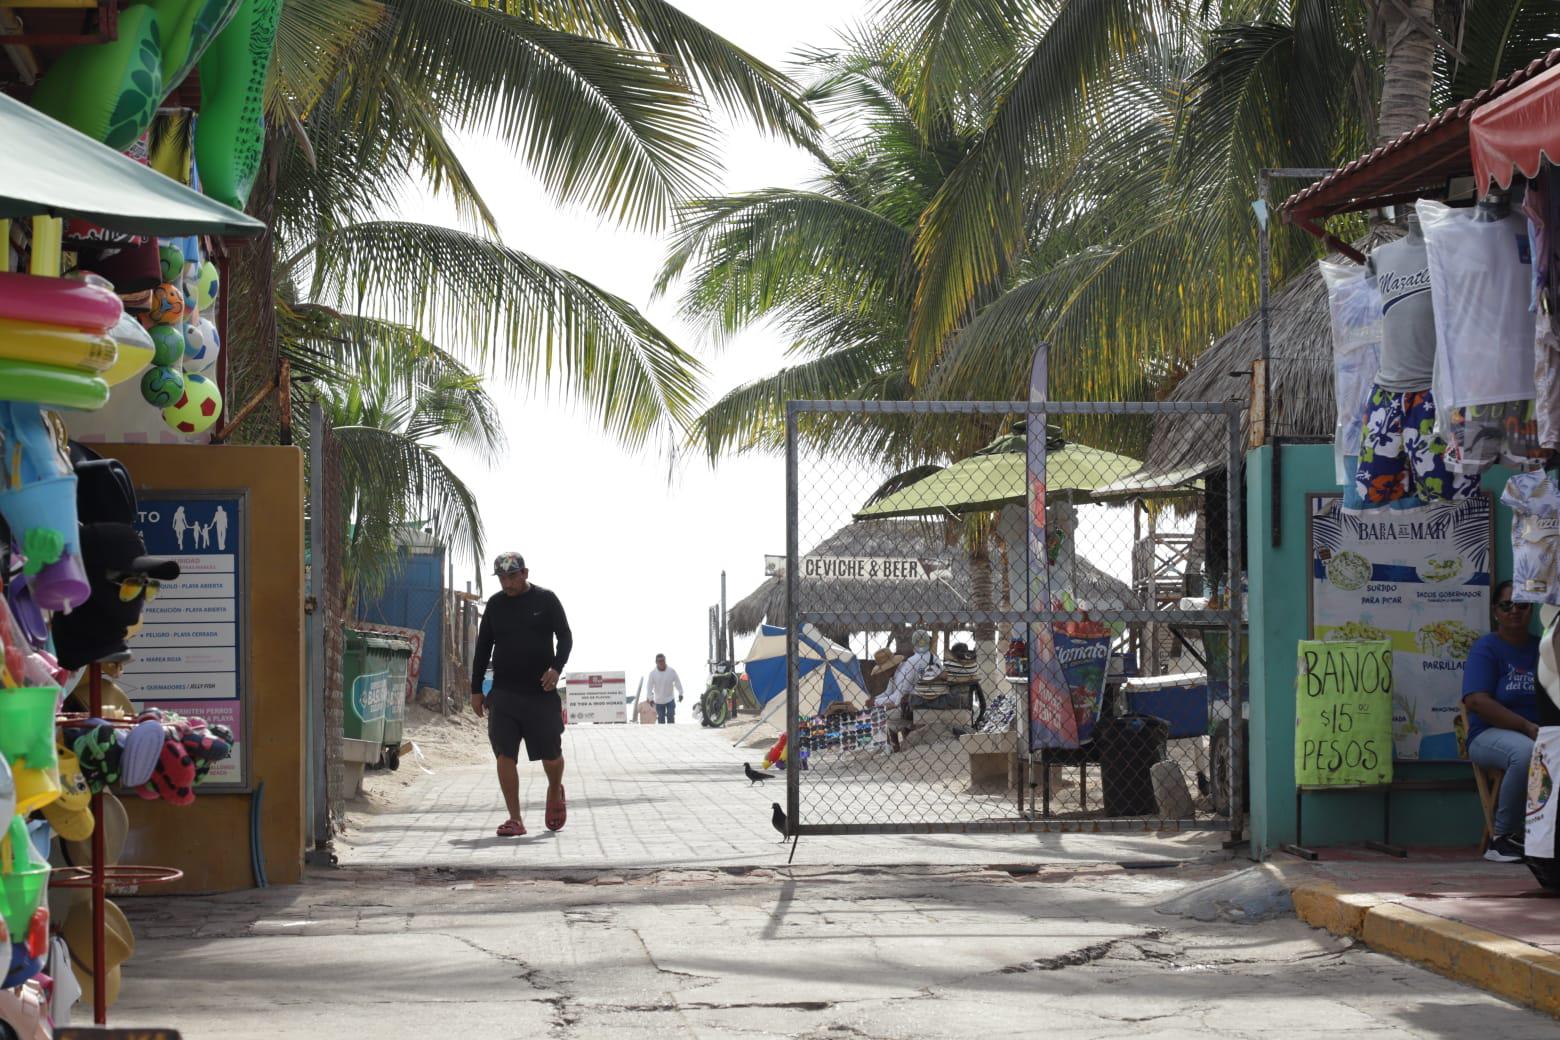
1129,746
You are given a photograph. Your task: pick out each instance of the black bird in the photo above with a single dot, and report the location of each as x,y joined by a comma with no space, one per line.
778,819
754,775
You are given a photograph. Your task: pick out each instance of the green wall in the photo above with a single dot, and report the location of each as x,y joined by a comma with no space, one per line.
1277,588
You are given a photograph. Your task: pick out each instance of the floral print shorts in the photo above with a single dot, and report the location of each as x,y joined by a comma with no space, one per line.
1400,454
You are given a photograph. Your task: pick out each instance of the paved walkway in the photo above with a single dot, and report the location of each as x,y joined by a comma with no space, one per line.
674,796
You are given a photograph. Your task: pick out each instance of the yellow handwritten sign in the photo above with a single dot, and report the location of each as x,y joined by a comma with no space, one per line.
1343,713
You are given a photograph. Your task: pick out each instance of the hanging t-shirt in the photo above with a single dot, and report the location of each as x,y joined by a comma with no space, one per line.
1506,672
1481,281
1534,501
1399,271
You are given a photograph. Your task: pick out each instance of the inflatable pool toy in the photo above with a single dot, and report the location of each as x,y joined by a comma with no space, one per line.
108,91
162,386
47,385
230,134
38,501
62,302
188,27
198,409
136,350
51,345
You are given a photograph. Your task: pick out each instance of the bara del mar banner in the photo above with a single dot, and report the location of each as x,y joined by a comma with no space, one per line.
1420,579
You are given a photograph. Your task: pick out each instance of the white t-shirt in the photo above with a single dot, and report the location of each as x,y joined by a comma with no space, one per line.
1481,275
659,685
1535,537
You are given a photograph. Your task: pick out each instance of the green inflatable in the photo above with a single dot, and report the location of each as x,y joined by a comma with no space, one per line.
110,91
230,133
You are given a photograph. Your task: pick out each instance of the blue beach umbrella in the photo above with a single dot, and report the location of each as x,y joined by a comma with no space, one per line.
826,671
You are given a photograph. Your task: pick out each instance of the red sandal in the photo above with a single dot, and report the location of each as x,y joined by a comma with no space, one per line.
511,829
557,811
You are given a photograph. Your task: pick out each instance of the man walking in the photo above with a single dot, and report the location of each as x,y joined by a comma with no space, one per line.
518,630
659,686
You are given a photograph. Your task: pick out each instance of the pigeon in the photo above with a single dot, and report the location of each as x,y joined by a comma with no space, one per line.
778,819
1202,783
754,775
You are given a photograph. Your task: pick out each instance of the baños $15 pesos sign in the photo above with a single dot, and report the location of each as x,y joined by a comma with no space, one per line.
1343,713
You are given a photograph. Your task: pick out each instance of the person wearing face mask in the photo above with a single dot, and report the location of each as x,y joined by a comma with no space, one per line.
1500,691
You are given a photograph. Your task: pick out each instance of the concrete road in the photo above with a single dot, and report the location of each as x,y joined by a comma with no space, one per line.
1064,951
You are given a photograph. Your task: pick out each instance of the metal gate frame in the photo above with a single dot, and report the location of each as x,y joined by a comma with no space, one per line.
1231,615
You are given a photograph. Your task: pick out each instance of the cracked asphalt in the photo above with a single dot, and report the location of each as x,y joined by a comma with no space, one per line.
665,909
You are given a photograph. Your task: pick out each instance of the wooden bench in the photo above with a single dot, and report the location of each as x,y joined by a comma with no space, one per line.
993,760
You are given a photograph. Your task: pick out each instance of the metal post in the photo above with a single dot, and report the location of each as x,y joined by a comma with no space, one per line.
793,758
1235,603
1265,262
722,627
447,627
319,796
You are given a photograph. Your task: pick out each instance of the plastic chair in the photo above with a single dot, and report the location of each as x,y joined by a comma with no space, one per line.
1487,780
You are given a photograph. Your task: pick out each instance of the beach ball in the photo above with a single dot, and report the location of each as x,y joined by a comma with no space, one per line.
162,385
167,306
198,409
168,344
207,284
172,258
201,346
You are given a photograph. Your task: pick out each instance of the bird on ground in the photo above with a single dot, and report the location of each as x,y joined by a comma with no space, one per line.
778,819
754,775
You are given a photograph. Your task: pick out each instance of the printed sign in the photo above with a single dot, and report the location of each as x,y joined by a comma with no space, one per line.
189,653
872,568
1420,579
596,697
1343,713
1085,656
1542,805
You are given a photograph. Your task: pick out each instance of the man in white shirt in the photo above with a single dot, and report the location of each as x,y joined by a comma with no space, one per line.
659,686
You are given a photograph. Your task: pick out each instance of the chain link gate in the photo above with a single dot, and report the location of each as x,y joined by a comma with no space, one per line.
910,605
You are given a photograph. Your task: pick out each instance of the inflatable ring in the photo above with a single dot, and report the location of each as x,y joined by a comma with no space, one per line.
57,387
51,345
135,350
61,302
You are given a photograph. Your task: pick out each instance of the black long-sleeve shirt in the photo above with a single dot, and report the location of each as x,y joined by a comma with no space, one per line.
517,634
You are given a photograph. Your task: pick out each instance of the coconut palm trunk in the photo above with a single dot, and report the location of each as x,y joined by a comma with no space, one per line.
1409,71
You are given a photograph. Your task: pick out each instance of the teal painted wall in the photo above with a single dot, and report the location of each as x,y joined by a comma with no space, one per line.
1276,609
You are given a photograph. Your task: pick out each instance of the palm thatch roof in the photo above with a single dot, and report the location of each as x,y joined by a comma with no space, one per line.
945,586
1300,375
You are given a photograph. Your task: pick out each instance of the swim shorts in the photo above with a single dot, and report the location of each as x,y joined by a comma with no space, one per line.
1487,435
535,717
1400,454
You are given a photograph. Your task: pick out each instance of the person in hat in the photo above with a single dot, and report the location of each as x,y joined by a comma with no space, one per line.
884,661
525,634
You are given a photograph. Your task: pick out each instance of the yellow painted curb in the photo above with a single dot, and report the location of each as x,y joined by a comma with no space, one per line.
1491,962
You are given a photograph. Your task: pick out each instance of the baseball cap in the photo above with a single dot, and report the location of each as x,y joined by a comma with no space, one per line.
508,563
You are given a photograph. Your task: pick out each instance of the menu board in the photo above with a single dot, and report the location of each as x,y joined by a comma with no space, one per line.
1343,713
189,653
1420,579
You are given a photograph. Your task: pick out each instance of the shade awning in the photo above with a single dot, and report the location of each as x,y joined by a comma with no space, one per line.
990,480
1517,132
1417,164
49,169
1184,481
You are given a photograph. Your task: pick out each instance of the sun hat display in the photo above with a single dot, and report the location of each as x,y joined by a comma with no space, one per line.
119,945
143,746
23,878
116,825
35,788
71,814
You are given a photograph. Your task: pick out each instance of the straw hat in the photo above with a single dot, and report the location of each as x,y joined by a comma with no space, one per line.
886,661
118,946
116,825
116,703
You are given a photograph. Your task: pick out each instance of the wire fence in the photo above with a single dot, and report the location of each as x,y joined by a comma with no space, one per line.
952,667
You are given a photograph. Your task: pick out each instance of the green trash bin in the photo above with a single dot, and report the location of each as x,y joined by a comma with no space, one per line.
398,660
366,678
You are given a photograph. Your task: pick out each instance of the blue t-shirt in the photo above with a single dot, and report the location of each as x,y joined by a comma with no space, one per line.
1506,672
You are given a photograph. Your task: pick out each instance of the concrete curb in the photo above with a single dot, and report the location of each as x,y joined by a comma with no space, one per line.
1491,962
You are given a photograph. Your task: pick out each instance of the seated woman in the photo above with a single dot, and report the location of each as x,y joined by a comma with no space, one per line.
1500,691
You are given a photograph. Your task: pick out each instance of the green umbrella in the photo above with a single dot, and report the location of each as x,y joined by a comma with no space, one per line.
994,477
48,169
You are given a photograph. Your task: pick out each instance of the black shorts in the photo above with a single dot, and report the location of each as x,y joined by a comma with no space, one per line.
534,717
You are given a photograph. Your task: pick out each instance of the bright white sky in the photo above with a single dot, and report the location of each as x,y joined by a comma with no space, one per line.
635,556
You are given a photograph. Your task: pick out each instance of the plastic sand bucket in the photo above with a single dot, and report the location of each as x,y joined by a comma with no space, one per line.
23,879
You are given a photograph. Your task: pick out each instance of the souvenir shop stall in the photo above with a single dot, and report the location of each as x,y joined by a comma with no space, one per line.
109,307
1439,490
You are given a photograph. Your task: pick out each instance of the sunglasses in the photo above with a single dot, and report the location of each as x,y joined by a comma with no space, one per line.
133,585
1507,604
